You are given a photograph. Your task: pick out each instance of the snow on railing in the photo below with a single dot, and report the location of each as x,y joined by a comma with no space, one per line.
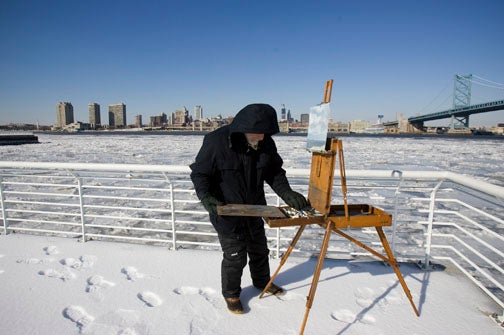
437,215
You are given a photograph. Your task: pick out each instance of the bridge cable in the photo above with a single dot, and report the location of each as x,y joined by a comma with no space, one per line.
487,83
437,96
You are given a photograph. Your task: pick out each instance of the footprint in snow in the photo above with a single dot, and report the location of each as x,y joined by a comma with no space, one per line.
78,315
132,273
150,299
120,322
97,282
204,318
206,292
83,262
187,290
347,316
364,296
343,315
71,262
87,261
64,275
51,250
33,260
289,296
393,298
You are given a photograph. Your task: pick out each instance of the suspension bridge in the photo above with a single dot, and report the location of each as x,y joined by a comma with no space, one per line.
461,107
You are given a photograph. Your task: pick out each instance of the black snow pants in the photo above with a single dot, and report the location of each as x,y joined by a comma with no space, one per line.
235,250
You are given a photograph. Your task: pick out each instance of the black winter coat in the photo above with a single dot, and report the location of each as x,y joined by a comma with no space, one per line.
228,169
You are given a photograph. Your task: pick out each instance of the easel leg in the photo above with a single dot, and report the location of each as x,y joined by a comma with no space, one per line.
316,275
389,259
284,258
393,263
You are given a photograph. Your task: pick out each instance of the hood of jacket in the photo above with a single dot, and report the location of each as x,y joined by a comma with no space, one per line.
255,119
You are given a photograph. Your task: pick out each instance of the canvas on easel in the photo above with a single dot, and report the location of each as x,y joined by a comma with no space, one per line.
318,127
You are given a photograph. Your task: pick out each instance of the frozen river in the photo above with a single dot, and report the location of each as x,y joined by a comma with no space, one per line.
474,156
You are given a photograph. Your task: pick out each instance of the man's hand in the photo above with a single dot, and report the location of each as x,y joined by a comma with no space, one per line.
295,200
210,203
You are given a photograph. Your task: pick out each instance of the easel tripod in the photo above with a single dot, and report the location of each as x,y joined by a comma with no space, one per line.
335,217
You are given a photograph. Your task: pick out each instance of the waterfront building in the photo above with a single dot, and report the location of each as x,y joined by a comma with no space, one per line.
339,127
138,121
117,115
289,116
283,116
181,117
158,120
94,115
198,113
64,114
359,126
305,119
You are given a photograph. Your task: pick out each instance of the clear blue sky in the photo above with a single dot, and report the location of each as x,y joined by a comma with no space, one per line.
386,57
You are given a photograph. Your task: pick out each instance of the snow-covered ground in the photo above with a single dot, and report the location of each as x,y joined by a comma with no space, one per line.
53,285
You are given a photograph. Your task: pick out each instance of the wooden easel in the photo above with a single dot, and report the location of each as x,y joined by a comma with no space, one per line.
335,217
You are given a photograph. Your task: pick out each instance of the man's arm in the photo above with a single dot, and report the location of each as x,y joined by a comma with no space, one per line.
202,172
279,183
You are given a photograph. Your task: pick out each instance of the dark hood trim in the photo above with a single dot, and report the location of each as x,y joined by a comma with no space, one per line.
255,119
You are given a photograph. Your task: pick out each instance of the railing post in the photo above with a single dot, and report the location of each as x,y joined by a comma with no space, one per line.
4,206
172,208
430,222
394,217
81,206
172,205
278,233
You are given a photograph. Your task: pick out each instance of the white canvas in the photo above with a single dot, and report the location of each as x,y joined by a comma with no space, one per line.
317,127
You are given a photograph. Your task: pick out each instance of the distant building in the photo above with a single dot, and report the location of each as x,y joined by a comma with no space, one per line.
289,116
198,113
94,115
339,127
181,117
359,126
158,120
117,115
283,116
76,126
138,121
305,119
64,114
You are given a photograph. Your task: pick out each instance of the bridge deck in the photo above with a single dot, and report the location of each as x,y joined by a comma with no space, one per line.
460,112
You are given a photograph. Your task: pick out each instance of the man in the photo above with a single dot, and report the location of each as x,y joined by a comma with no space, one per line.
231,167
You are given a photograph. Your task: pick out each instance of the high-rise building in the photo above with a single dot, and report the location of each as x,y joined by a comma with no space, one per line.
305,119
282,114
64,114
158,120
138,121
117,115
94,115
198,113
181,117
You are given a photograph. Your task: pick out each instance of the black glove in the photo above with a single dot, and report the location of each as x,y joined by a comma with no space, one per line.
210,203
294,199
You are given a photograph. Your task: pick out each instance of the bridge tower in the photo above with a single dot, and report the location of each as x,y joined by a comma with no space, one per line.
461,98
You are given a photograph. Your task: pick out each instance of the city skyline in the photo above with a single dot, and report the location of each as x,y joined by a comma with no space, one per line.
385,58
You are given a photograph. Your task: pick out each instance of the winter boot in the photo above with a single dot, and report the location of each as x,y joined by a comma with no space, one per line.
234,305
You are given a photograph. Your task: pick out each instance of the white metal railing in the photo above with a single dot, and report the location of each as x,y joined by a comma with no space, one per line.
437,215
